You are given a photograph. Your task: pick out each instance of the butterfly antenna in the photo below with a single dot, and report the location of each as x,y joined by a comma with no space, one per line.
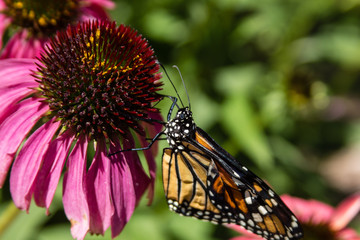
187,93
172,85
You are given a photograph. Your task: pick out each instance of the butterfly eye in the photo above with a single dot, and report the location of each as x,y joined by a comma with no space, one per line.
182,116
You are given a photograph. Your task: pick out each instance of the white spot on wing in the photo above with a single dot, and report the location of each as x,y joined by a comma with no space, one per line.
248,199
257,217
262,210
251,223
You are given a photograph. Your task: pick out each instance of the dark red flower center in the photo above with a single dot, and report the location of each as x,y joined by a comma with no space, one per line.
99,79
42,17
317,231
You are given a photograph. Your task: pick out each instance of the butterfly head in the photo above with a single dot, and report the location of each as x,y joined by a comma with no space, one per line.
179,128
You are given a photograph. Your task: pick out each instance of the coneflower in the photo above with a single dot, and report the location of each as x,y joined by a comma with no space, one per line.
94,87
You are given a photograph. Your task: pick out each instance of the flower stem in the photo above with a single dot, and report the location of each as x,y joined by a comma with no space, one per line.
7,217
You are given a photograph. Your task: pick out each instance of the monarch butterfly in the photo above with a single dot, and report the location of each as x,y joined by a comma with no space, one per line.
204,181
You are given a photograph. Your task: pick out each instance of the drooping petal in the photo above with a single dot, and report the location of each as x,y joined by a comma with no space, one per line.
348,234
16,83
122,191
17,71
98,191
94,9
49,174
102,3
345,212
151,164
93,12
2,5
74,196
9,99
14,130
28,162
20,45
140,178
152,130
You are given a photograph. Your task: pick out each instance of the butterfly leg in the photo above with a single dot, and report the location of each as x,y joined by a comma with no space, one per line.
157,136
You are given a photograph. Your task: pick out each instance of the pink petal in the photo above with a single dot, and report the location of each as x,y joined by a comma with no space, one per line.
122,191
21,45
345,212
14,130
9,99
16,83
74,197
309,210
102,3
49,174
93,12
152,130
347,234
98,191
94,9
28,162
152,166
140,179
17,71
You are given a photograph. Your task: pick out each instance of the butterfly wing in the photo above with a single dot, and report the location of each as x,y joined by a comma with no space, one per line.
184,179
204,181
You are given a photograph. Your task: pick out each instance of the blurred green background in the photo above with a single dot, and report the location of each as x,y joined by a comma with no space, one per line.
276,83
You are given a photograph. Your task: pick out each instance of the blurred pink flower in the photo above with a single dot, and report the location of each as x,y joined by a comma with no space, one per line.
319,220
92,85
35,21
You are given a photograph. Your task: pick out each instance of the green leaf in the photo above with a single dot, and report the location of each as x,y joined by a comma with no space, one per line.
241,123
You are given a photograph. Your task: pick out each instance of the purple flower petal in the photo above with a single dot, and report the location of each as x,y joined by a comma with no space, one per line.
15,128
152,130
103,3
9,99
94,9
94,12
20,45
2,5
49,175
28,162
345,212
152,166
23,45
16,83
74,197
122,191
98,191
17,71
141,180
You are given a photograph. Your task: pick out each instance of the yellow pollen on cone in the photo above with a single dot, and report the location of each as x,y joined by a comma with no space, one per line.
31,14
18,5
42,21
